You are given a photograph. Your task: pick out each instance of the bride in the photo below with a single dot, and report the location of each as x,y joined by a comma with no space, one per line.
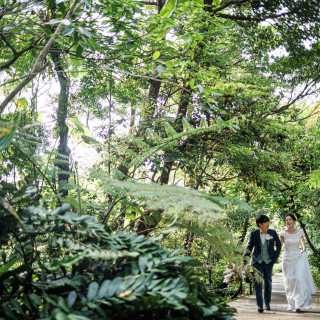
297,275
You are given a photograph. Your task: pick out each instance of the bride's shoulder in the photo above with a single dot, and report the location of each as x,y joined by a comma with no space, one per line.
282,233
300,232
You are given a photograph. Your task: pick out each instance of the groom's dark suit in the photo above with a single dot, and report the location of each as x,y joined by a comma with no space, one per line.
263,259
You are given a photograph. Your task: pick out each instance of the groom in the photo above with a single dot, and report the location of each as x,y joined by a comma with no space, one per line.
264,257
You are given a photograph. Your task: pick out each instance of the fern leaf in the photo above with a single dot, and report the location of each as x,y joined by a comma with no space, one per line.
186,125
169,129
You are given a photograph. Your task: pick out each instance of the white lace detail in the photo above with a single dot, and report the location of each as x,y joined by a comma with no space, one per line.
297,275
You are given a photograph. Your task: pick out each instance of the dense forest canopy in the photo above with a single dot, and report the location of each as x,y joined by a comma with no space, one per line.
203,114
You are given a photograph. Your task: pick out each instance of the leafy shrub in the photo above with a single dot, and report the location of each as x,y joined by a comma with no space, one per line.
58,265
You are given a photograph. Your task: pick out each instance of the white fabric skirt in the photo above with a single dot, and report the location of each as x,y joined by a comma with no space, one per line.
298,281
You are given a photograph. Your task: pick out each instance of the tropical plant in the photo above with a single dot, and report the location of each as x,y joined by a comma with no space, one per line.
58,265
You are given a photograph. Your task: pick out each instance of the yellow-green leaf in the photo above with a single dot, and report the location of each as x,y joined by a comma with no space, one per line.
156,55
22,103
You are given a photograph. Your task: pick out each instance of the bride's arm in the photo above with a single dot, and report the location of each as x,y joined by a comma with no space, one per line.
303,245
282,240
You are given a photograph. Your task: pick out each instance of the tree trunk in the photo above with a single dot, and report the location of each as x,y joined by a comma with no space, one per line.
62,114
246,220
182,113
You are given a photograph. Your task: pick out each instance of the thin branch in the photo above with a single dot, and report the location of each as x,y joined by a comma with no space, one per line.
246,18
228,4
107,69
305,91
17,55
149,3
105,220
8,44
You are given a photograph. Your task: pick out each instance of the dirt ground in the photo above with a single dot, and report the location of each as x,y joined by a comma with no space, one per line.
247,307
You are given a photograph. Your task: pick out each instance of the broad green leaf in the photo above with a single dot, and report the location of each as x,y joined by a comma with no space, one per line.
65,22
103,289
35,299
60,315
22,103
8,312
143,260
15,304
72,297
168,8
85,32
62,305
76,121
92,290
113,286
87,4
89,140
53,22
7,134
170,64
156,55
7,265
77,317
68,31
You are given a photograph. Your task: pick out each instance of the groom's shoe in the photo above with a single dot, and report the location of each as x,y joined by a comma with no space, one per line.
260,309
267,306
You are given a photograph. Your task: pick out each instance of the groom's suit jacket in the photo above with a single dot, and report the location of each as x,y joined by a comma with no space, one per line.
255,242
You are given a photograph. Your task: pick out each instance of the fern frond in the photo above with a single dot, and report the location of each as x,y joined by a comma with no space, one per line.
228,203
172,140
180,207
314,179
171,200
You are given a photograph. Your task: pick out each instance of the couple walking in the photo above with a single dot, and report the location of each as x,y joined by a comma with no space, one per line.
296,271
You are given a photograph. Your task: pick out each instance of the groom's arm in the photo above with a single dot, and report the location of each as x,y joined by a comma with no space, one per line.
278,246
249,247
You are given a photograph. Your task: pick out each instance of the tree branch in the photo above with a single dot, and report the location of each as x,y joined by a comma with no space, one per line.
8,44
38,65
16,54
246,18
305,91
228,4
149,3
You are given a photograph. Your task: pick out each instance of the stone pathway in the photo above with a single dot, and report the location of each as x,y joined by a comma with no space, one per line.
247,307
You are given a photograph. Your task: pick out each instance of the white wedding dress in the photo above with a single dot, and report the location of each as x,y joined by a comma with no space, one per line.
297,276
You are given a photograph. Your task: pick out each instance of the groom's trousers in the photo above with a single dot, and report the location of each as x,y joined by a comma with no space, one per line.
265,272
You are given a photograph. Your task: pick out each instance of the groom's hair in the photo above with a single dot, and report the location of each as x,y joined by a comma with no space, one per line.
262,219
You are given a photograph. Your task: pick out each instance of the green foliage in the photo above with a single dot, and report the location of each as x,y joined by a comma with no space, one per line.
68,266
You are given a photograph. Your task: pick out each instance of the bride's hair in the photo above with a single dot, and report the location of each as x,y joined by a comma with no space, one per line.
290,215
